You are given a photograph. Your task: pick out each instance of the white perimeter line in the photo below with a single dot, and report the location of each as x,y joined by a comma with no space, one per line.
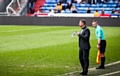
110,73
89,69
28,29
21,30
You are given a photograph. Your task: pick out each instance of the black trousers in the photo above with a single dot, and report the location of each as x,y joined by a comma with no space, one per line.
103,46
84,59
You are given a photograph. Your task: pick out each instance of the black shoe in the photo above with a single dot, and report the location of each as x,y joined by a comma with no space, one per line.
83,73
100,67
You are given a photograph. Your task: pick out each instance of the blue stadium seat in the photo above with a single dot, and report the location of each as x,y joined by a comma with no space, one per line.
68,11
46,11
48,0
92,8
53,7
111,5
116,1
44,8
99,5
77,5
93,5
69,0
92,12
51,1
105,5
108,9
49,5
87,5
108,12
45,5
58,1
82,5
82,9
64,4
117,9
48,8
97,8
62,11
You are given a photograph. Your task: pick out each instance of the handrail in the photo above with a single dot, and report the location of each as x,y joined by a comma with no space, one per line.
21,9
16,13
18,3
10,8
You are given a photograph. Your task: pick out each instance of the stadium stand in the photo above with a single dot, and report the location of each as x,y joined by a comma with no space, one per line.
82,8
38,4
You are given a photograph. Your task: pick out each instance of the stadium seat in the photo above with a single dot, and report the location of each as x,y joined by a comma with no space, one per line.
92,8
68,11
82,9
45,5
108,9
58,1
62,11
116,1
92,11
53,7
48,8
93,5
82,5
82,12
87,5
44,8
69,0
51,1
77,5
117,9
108,12
99,5
46,11
105,5
98,8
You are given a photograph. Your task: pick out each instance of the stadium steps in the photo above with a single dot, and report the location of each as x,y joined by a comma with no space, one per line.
38,4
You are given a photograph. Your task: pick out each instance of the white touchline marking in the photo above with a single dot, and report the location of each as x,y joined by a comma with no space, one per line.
113,63
21,30
92,69
24,29
110,73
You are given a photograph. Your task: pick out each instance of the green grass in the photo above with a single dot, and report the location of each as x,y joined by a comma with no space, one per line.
49,50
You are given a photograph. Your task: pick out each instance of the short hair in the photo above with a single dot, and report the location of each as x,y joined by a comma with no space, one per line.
96,10
95,21
83,21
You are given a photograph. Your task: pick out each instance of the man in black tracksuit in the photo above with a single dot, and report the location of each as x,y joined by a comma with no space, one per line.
31,6
84,46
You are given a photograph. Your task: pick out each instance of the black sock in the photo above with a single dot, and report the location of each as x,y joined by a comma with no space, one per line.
102,61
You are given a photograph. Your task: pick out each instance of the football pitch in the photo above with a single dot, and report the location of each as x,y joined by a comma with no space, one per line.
49,50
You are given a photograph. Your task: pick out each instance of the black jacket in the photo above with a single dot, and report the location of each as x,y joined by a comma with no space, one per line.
69,6
84,38
32,1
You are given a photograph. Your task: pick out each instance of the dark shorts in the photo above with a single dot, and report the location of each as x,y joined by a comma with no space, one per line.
102,46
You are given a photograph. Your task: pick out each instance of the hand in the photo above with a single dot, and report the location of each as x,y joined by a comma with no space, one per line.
98,46
77,33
